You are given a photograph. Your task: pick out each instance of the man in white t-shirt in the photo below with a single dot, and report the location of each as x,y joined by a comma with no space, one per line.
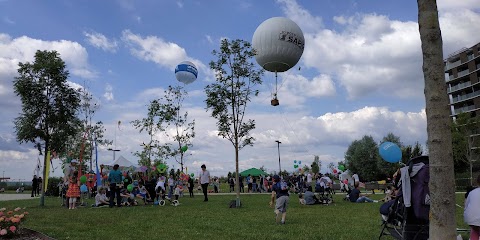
204,180
309,179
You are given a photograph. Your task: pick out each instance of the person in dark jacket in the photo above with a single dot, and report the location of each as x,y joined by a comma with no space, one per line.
34,186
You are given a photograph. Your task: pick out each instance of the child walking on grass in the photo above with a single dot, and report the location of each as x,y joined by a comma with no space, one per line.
73,190
280,197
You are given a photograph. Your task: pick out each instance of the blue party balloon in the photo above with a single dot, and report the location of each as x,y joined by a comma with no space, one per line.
83,188
390,152
300,162
294,161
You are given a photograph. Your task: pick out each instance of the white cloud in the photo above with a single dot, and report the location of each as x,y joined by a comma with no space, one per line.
301,16
209,39
8,20
372,54
180,4
108,95
99,40
161,52
445,5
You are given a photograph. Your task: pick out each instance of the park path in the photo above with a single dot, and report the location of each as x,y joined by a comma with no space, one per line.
14,196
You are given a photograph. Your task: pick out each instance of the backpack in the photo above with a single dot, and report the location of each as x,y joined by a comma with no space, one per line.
420,193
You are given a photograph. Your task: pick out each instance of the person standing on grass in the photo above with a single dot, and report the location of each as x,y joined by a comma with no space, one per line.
171,186
204,180
280,197
39,185
115,180
73,191
34,186
471,214
190,186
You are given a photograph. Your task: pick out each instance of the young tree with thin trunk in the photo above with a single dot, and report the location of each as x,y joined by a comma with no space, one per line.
227,98
442,178
49,105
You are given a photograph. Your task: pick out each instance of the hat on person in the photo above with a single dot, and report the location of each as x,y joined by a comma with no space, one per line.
74,161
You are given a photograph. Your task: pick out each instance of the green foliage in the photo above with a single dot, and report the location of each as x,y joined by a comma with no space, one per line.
49,104
409,152
185,130
227,98
361,158
465,141
316,165
152,124
163,113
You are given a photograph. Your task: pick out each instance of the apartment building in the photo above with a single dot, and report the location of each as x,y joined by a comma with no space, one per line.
462,73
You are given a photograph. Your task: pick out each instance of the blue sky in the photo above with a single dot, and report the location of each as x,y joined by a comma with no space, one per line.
360,72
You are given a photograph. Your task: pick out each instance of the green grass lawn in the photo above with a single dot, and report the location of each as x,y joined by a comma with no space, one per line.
195,219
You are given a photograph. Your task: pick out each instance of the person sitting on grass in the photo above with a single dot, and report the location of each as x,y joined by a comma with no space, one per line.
310,198
356,197
101,198
128,199
142,193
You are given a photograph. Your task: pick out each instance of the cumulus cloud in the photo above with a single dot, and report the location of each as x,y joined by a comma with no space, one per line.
301,16
161,52
99,40
372,54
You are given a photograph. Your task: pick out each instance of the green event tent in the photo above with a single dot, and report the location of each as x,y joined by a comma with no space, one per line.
253,172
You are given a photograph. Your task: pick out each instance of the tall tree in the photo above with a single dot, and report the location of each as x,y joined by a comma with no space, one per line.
49,104
316,164
361,158
154,123
409,152
184,130
227,98
442,178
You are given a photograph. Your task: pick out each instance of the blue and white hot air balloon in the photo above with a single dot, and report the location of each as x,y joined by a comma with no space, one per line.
186,72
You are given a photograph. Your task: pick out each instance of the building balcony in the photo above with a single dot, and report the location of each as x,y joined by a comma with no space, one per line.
465,109
465,97
459,87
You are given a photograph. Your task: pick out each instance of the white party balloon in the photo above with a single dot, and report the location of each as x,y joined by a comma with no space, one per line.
279,43
186,72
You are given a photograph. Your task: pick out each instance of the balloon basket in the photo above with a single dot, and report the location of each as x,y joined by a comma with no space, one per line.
275,102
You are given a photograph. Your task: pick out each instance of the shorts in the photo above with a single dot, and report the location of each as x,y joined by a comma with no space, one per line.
282,204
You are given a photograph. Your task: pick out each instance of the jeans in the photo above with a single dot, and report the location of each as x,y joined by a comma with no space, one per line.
364,199
170,191
115,191
254,187
204,188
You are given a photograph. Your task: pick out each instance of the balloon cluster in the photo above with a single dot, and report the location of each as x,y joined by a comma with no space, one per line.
295,165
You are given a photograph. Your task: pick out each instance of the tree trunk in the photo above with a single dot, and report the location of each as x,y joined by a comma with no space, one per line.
42,194
237,191
442,179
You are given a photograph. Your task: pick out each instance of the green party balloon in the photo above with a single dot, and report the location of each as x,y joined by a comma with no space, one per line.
192,174
130,187
161,168
83,179
184,148
341,167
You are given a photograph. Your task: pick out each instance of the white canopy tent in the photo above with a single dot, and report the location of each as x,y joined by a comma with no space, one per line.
122,162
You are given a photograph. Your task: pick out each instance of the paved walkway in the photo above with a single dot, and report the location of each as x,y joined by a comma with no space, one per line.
14,196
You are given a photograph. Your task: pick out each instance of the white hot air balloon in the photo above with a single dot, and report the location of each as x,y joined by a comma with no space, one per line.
186,72
279,43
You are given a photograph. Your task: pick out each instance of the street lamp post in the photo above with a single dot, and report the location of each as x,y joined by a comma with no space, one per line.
279,165
113,150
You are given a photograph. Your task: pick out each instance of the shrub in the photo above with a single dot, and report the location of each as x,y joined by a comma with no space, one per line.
10,221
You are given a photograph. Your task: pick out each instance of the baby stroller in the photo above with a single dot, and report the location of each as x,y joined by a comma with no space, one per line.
407,216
